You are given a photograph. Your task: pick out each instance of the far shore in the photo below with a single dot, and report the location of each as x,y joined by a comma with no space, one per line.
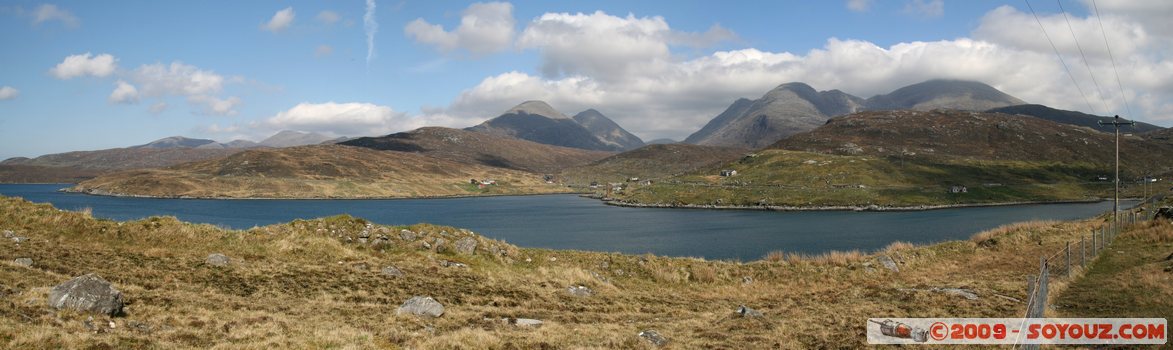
123,195
875,208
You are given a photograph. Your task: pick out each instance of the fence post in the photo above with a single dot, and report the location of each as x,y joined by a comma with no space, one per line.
1082,253
1030,296
1095,243
1067,251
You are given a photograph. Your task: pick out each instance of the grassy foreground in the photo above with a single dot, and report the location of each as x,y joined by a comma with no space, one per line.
311,284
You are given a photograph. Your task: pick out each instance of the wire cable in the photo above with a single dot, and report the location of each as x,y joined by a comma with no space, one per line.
1095,82
1112,58
1053,47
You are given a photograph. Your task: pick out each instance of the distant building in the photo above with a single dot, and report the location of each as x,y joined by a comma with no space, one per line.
958,189
728,172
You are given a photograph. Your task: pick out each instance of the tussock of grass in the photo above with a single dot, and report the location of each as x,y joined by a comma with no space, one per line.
310,284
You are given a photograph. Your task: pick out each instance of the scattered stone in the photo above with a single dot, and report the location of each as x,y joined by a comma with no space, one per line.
446,263
746,280
439,244
466,245
746,312
527,322
407,235
392,271
19,239
26,262
421,306
527,259
9,234
553,259
427,245
654,337
217,260
87,293
580,291
889,263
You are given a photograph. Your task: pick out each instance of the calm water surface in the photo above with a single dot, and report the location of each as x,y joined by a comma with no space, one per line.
572,222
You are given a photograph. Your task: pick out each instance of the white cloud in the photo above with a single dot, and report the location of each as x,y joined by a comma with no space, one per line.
608,47
925,8
124,93
371,26
323,50
199,86
85,65
8,93
337,119
328,17
50,12
484,28
859,5
280,21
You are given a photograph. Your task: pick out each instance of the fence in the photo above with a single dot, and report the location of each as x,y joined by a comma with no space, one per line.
1079,253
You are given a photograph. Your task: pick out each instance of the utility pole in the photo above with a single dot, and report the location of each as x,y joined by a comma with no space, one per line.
1116,199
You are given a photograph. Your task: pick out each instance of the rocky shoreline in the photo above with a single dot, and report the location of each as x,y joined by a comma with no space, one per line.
832,207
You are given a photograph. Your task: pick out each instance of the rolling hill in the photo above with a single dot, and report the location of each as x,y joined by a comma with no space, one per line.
796,107
322,171
650,162
1073,118
538,122
481,148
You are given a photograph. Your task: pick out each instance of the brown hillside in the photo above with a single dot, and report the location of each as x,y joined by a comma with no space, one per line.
481,148
322,171
974,135
651,162
77,166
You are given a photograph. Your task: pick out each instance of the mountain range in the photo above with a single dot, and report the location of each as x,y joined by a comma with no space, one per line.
537,121
796,107
481,148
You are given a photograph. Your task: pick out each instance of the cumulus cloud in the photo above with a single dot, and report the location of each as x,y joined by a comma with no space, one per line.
925,8
85,65
370,26
622,67
484,28
859,5
280,21
8,93
608,47
124,93
328,17
200,87
337,119
50,12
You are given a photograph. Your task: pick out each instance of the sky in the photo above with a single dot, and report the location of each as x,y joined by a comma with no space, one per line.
85,75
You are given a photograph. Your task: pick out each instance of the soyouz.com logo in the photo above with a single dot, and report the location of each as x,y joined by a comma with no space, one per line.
1017,331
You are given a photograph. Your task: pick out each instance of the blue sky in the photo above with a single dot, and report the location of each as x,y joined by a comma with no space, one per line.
90,75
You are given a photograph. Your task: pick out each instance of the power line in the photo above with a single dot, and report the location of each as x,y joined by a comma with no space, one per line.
1095,82
1073,82
1105,33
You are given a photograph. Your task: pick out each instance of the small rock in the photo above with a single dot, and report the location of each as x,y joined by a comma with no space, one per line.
466,245
653,337
446,263
439,244
421,306
889,263
553,259
26,262
217,259
392,271
527,322
427,245
87,293
580,291
19,239
748,312
407,235
747,280
9,233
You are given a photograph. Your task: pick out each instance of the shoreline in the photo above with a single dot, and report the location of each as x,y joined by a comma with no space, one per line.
457,196
870,208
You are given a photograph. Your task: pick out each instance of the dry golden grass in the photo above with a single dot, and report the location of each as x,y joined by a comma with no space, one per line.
310,284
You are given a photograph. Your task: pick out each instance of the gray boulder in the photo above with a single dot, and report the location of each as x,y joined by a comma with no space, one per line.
421,306
392,271
580,291
407,235
87,293
654,337
466,245
748,312
23,262
527,322
889,263
217,259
